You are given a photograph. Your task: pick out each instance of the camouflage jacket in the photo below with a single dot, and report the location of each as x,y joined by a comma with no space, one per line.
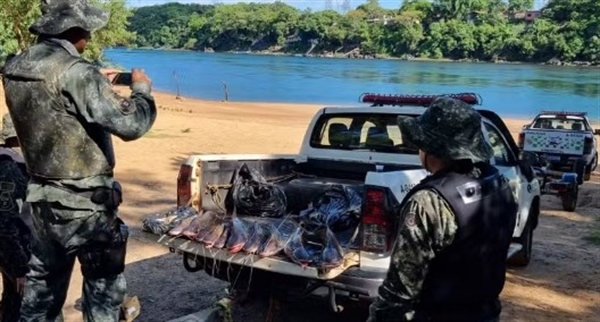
88,94
14,234
429,227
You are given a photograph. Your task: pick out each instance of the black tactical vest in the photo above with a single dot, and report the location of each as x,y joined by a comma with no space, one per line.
56,142
464,280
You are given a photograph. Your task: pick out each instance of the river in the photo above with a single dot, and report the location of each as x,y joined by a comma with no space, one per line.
511,90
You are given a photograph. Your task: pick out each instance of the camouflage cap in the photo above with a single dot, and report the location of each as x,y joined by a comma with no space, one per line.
449,129
59,16
8,129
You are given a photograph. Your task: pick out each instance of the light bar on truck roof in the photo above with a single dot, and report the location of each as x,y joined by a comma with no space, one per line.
415,100
565,113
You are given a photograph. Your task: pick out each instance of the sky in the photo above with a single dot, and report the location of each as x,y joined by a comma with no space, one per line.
300,4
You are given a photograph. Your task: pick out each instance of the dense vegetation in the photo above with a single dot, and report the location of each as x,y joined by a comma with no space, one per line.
567,30
17,15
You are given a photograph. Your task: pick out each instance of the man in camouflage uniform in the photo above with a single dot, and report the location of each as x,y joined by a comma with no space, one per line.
449,259
15,236
65,112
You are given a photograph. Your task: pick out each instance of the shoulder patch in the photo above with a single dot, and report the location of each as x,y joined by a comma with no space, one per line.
410,220
123,104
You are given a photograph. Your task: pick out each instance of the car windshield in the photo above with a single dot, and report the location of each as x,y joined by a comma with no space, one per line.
359,131
557,123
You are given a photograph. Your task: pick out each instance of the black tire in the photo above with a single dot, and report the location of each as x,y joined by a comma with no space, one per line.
587,175
569,199
523,257
580,168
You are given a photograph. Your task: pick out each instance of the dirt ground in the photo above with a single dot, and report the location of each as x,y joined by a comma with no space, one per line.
562,283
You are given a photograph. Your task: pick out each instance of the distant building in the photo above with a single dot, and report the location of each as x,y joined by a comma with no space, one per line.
528,16
531,15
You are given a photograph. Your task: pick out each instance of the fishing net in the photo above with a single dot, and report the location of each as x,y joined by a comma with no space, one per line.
161,223
338,207
254,196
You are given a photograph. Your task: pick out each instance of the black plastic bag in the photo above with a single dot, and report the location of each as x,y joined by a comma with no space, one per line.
254,196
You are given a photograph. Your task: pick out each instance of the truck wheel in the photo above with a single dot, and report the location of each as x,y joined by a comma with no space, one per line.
587,175
569,199
580,168
523,257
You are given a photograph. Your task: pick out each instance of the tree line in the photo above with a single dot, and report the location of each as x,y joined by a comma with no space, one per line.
487,30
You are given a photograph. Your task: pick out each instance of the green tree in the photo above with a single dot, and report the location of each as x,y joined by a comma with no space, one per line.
16,16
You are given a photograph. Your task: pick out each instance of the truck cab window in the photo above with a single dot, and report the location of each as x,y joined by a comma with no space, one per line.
374,132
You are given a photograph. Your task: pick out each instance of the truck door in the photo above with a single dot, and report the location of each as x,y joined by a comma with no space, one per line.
507,164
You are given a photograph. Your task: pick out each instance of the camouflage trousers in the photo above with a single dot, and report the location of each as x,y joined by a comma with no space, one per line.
60,233
382,311
11,300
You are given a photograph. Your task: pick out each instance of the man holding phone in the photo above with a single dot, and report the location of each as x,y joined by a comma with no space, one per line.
64,111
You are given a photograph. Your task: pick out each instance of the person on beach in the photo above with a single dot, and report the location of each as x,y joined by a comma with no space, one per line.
65,111
449,259
15,235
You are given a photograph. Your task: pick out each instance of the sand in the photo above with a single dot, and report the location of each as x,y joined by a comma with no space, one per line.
562,283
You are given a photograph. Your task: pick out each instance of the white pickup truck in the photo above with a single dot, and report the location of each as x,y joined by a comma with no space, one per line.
356,146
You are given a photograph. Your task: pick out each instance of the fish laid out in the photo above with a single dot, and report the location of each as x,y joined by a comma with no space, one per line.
316,248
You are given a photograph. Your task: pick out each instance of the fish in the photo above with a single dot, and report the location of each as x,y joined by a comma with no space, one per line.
208,227
332,254
214,232
220,242
162,223
198,224
259,235
178,230
273,244
295,250
238,235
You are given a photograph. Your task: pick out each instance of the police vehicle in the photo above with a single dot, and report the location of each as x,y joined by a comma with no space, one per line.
379,162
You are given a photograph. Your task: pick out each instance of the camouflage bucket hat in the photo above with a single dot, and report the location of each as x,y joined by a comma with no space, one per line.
8,129
59,16
449,129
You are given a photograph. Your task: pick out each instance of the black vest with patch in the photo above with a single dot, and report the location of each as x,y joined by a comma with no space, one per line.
465,279
56,142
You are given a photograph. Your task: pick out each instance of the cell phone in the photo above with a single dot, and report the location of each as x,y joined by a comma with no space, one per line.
122,79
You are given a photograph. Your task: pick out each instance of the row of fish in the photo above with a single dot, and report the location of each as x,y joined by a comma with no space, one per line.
319,248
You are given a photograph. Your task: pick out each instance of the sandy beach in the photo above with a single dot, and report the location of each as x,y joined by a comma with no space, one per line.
562,283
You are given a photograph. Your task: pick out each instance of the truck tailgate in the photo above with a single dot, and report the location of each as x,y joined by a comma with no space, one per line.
271,264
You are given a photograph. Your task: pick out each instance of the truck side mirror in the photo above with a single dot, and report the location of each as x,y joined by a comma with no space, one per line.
597,132
524,126
530,158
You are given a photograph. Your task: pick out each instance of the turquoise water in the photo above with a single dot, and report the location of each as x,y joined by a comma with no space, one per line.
510,90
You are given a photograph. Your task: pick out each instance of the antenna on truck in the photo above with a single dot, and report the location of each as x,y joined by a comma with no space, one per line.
415,100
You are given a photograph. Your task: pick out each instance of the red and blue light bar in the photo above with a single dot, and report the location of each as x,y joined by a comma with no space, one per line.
415,100
563,113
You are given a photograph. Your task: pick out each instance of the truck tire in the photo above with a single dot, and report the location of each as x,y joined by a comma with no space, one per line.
569,199
587,175
590,168
523,257
580,168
